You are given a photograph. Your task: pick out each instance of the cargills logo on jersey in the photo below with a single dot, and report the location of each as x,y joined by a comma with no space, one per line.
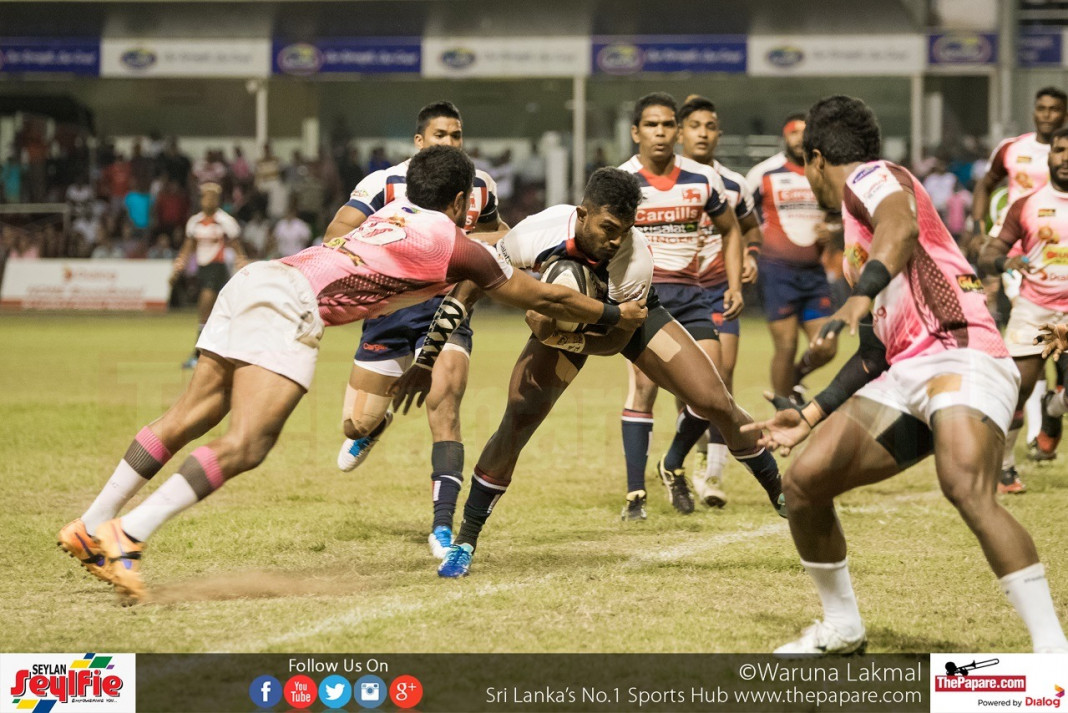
621,59
786,56
300,59
458,58
43,683
138,58
667,214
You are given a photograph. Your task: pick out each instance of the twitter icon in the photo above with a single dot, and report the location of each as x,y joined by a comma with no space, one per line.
335,692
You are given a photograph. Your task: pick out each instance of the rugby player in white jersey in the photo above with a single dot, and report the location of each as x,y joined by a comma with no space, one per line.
600,234
207,236
932,377
260,345
388,343
699,134
677,194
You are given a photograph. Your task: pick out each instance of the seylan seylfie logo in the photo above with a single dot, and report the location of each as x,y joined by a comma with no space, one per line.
786,56
621,59
40,687
301,59
458,58
138,58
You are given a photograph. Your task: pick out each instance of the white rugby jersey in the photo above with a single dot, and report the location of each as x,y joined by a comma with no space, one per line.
385,186
789,211
739,198
671,212
550,235
211,233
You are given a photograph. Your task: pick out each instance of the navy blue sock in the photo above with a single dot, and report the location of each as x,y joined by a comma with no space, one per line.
715,437
637,432
688,430
762,465
483,495
447,461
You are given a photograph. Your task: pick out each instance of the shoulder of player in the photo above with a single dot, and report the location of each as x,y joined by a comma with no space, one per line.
772,163
691,171
632,164
730,176
483,179
554,220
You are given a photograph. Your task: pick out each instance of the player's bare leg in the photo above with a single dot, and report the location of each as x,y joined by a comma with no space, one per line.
260,403
967,448
674,361
539,378
203,404
365,414
447,454
821,472
784,341
1031,368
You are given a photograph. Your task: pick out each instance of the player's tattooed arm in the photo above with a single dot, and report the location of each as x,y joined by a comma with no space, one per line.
727,225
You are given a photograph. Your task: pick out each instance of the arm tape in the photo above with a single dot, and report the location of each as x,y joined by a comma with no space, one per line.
872,280
450,315
865,365
610,316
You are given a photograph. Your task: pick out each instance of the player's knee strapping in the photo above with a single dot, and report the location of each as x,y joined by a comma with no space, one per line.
202,471
364,411
447,461
484,494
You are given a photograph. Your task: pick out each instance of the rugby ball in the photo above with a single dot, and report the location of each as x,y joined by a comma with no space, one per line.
578,277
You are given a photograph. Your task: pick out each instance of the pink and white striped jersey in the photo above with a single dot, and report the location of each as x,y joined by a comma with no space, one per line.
400,256
1038,225
671,212
1024,162
937,302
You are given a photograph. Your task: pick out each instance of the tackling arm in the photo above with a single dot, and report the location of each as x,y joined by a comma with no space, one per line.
345,221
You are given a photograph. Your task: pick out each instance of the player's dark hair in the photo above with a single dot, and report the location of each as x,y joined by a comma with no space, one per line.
799,116
1061,133
614,189
654,99
1054,92
843,129
433,111
694,103
436,174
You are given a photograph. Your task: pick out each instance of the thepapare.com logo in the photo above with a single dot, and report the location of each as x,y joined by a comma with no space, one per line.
89,682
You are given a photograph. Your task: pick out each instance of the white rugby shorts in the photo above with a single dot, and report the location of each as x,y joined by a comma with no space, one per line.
267,315
956,377
1022,329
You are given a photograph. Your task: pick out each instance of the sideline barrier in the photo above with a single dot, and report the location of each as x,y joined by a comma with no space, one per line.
120,285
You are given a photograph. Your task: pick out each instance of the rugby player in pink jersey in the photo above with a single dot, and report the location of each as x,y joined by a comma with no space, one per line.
1036,227
259,347
932,376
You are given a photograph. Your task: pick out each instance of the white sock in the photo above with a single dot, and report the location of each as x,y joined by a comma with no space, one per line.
1009,459
1033,410
718,454
121,486
1057,405
169,499
1028,591
836,592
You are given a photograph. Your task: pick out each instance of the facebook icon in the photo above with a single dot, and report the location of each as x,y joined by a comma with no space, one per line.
265,691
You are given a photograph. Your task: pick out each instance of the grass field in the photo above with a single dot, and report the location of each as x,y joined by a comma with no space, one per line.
296,556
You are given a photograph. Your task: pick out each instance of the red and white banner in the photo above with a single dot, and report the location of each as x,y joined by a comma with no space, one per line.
130,285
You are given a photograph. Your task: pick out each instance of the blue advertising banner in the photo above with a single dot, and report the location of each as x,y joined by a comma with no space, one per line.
356,55
1041,47
962,48
693,53
73,56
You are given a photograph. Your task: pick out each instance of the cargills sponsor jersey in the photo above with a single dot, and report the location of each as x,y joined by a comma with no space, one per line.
936,302
400,256
550,235
1024,162
789,213
211,233
382,187
1038,225
740,199
670,216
